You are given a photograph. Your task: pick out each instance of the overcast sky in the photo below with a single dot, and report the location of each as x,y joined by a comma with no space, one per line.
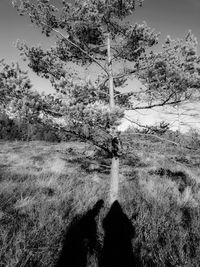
169,17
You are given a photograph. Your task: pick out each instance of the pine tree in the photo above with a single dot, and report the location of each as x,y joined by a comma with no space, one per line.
97,33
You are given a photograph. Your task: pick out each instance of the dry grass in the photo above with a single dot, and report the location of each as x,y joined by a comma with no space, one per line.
43,185
40,193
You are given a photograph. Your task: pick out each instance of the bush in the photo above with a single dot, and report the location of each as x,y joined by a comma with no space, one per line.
14,129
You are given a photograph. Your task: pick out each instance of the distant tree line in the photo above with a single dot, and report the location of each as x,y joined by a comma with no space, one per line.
16,129
24,130
163,133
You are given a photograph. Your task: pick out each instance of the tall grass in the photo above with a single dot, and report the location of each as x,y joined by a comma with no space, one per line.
43,186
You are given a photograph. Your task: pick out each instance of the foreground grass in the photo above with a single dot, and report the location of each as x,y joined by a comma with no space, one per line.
43,186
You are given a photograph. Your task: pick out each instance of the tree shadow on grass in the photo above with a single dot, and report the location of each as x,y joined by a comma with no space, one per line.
81,239
119,231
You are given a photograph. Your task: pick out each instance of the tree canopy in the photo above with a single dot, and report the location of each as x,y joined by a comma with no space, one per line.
98,33
170,76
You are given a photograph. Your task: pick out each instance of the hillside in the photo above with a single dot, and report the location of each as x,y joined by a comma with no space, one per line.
44,185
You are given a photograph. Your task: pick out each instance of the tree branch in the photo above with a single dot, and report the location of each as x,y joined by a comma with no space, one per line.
103,83
158,105
137,123
153,135
75,45
124,75
59,115
83,51
82,137
162,139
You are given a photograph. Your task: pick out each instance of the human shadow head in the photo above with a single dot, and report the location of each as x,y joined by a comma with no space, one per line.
117,249
96,209
80,241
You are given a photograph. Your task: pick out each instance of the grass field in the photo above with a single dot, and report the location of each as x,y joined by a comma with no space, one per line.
44,185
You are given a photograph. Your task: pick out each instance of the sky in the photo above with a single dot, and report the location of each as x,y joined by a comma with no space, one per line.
169,17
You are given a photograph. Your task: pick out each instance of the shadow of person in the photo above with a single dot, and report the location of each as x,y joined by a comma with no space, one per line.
117,249
81,239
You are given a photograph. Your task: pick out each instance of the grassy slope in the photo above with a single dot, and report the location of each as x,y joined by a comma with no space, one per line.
43,185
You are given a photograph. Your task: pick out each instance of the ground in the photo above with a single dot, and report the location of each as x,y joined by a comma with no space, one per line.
44,185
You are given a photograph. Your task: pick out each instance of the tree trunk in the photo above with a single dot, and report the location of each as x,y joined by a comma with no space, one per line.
111,85
114,183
